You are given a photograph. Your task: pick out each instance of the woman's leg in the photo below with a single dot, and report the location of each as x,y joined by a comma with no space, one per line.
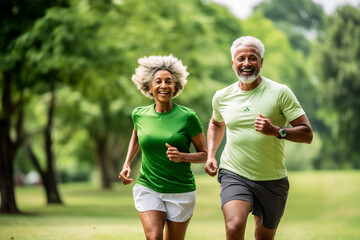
153,223
176,230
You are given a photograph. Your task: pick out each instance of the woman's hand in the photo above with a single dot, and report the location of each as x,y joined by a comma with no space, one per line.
124,176
173,154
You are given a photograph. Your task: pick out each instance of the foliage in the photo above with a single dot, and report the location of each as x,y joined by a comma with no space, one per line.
299,19
339,88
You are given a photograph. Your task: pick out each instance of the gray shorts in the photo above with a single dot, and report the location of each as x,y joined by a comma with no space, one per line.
267,198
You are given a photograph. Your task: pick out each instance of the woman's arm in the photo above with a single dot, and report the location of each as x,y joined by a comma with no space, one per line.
200,156
134,147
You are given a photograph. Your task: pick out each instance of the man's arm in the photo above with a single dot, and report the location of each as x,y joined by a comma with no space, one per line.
300,131
215,135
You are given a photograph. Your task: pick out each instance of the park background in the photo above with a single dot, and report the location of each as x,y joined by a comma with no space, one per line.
67,98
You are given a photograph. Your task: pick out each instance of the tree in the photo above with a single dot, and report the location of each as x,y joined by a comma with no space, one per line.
339,89
299,19
58,50
16,18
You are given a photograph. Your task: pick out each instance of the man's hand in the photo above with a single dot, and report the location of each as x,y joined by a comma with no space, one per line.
124,176
211,167
173,154
265,126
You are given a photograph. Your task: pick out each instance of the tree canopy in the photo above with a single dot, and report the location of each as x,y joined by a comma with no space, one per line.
339,87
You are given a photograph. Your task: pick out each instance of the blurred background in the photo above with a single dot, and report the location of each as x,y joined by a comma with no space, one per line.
67,95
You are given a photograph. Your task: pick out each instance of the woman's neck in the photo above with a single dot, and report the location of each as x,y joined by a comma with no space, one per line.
162,107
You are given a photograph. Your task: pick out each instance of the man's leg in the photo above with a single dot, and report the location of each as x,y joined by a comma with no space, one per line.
236,213
261,232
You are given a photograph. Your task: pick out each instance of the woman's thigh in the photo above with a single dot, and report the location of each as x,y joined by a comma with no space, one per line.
153,222
176,230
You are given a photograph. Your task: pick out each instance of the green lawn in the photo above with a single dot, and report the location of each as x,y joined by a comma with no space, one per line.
321,206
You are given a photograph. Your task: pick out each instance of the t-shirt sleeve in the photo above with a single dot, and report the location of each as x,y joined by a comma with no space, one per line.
194,124
215,104
289,105
134,116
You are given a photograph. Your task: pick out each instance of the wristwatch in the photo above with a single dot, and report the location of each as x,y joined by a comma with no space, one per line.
282,133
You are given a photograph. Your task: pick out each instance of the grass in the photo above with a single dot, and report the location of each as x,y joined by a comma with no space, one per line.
321,206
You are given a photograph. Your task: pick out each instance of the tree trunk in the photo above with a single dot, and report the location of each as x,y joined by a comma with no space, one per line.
52,192
100,150
8,147
48,177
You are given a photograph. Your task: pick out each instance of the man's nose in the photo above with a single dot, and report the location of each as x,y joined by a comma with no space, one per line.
246,62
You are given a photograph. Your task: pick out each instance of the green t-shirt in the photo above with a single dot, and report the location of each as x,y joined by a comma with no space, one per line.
175,127
247,152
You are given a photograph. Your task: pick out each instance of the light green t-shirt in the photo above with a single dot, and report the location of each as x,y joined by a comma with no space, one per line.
247,152
175,127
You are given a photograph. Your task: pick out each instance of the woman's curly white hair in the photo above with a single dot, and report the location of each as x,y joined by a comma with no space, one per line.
148,66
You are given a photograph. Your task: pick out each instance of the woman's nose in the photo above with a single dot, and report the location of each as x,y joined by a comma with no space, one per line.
163,84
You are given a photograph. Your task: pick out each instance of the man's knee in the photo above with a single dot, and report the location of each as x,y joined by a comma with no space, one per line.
235,227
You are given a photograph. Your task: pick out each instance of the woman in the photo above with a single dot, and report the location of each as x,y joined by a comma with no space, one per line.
164,194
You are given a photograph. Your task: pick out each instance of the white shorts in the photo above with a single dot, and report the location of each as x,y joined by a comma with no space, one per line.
179,207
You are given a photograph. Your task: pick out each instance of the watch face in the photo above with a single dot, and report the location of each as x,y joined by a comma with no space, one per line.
282,132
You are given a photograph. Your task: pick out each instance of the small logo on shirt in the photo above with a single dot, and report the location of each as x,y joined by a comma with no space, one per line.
246,109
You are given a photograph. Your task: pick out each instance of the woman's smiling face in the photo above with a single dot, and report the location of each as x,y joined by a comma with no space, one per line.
162,86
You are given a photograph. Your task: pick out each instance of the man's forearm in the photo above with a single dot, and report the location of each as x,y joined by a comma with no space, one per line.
215,135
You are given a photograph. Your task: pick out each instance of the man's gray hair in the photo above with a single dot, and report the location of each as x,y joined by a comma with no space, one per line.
148,66
247,41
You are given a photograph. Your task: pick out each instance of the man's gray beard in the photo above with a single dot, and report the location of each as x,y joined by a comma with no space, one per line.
247,79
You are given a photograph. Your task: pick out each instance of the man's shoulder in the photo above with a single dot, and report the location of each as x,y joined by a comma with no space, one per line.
227,90
274,86
272,83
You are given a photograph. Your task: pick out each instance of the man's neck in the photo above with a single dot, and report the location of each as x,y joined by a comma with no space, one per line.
250,86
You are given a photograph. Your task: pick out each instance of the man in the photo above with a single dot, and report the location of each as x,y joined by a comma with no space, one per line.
254,111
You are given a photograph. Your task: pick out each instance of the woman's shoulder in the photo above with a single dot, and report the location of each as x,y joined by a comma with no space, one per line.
184,109
142,109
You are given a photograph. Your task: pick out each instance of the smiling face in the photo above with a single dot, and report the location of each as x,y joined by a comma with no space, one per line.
162,86
247,64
